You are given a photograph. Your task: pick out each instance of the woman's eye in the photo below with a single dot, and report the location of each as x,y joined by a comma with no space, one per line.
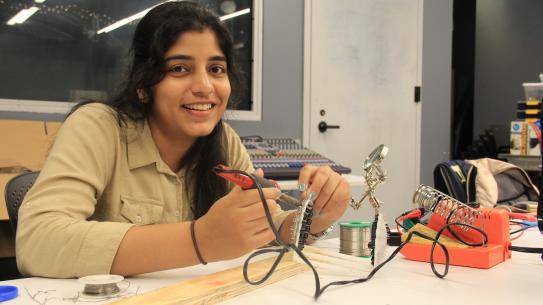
177,69
217,69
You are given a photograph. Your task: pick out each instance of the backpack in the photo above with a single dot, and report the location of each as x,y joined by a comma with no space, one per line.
451,178
484,182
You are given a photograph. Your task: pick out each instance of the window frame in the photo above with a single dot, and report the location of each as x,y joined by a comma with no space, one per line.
255,114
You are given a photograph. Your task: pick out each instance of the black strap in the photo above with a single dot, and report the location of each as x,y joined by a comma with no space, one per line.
196,249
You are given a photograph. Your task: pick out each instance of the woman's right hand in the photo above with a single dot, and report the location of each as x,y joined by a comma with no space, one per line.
236,224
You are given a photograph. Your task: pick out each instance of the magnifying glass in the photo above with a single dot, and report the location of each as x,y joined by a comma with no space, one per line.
375,157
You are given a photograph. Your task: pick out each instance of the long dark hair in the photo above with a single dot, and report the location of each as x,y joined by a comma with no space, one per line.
155,34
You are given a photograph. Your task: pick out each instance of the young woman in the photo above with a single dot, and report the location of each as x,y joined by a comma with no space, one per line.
128,186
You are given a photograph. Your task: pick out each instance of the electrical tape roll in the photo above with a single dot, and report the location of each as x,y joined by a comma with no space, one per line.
8,293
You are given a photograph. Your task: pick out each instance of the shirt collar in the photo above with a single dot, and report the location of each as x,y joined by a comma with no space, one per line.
141,149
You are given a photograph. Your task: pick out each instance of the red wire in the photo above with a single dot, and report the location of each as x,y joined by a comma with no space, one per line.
516,237
521,232
412,214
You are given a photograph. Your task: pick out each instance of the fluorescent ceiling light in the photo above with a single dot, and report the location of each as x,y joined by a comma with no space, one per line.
126,20
123,21
22,16
39,1
139,15
235,14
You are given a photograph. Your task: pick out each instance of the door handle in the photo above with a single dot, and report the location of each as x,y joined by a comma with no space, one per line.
323,126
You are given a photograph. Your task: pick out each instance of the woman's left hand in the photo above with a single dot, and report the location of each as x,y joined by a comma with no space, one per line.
332,192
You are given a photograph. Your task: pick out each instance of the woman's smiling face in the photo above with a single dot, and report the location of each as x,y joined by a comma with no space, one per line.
192,97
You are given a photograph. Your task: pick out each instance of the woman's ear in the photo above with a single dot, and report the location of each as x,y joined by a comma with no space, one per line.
142,96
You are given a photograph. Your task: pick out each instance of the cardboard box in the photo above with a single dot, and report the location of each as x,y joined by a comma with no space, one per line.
25,146
25,143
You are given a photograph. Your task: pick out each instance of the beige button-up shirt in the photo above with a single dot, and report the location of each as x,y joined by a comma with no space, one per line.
98,181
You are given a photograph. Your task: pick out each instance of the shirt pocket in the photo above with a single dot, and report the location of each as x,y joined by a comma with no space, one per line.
141,211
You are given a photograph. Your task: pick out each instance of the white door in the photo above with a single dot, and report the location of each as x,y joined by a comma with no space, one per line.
361,65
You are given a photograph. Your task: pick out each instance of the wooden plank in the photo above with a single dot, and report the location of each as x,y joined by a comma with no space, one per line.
218,287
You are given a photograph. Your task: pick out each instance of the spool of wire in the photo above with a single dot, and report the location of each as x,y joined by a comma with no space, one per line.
354,237
101,285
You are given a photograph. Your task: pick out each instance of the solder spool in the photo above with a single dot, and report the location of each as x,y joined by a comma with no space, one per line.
101,285
354,237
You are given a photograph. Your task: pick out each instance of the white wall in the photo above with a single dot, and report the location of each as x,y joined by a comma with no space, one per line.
436,86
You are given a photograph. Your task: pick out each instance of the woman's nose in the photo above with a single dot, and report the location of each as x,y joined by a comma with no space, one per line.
201,85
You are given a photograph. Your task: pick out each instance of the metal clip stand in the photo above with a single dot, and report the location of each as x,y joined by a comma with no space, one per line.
375,176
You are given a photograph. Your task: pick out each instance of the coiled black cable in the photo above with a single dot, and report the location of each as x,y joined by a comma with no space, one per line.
485,237
284,248
435,241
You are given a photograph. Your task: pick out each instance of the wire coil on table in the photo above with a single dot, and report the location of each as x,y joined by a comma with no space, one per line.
101,285
354,237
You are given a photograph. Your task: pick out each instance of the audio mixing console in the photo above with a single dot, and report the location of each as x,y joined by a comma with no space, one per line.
283,158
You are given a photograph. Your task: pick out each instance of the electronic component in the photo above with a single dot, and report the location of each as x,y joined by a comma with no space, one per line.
302,222
283,158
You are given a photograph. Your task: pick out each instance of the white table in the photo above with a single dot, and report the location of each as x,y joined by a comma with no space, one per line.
353,180
519,280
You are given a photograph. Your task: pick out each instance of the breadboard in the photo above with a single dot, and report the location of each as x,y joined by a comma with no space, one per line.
218,287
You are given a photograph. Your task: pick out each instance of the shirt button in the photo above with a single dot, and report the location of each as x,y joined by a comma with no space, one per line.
138,219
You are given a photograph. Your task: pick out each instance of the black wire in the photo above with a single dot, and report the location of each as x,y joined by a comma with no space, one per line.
524,228
399,224
526,249
391,256
262,198
485,237
318,290
285,247
281,252
435,241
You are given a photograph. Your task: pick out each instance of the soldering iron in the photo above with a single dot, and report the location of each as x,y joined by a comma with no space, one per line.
247,183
